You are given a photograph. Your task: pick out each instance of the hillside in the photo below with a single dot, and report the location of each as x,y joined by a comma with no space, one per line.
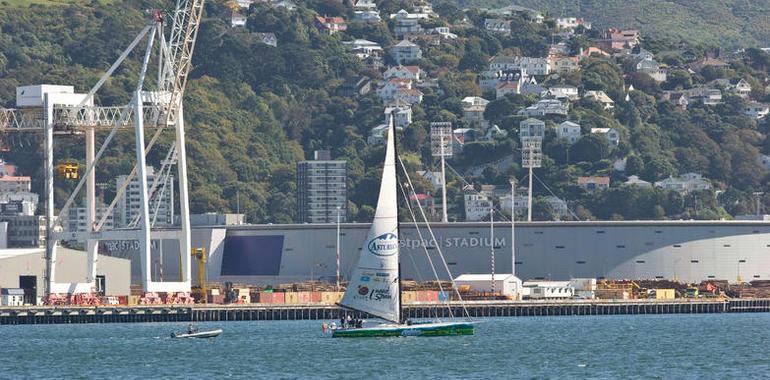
730,23
253,110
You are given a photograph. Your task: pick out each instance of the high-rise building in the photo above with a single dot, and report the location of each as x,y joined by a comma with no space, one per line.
322,189
129,205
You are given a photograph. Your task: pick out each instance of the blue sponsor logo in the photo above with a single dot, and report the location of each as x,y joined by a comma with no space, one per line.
380,274
364,279
384,245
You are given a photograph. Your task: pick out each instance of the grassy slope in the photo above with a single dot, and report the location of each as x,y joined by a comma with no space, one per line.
730,23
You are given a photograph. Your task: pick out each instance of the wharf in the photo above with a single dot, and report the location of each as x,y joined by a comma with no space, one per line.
477,309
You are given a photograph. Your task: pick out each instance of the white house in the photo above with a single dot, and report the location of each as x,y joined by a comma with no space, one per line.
756,110
379,134
407,96
570,23
363,48
507,87
473,110
742,89
546,107
601,97
563,92
433,177
685,184
531,128
365,5
402,115
366,16
405,52
403,72
387,90
569,131
407,23
635,181
477,205
528,65
497,25
612,136
11,297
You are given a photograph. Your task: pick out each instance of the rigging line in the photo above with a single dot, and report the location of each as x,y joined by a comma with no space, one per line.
425,248
574,217
438,246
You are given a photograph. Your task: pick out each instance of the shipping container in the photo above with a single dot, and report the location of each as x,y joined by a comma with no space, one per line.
443,296
133,300
427,296
292,298
279,297
408,297
331,298
303,297
665,294
315,297
218,299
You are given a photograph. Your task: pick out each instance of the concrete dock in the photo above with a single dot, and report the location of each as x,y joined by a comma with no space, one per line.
259,312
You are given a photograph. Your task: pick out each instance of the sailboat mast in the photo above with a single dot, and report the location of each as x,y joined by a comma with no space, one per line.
398,221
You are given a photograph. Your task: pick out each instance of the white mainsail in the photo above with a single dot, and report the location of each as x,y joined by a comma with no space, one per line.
373,286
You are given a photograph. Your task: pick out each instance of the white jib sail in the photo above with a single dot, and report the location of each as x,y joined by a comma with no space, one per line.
373,286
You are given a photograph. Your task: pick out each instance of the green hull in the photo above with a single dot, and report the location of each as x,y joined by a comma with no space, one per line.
428,329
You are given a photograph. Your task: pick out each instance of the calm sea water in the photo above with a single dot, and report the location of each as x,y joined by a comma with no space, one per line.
669,346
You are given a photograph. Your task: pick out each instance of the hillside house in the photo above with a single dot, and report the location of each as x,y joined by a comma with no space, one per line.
635,181
531,128
405,52
404,72
497,25
473,110
504,88
526,65
570,23
369,5
366,16
407,24
617,39
402,115
379,134
601,97
685,184
546,107
742,88
433,177
267,38
610,134
569,131
562,92
756,110
355,86
363,49
594,183
330,25
563,65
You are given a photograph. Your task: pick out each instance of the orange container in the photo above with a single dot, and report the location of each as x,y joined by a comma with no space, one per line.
279,297
303,297
427,296
315,297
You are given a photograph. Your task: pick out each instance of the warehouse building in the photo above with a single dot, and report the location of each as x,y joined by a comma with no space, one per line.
25,268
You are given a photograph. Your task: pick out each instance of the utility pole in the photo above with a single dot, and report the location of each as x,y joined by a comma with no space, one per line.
338,248
513,226
757,195
492,243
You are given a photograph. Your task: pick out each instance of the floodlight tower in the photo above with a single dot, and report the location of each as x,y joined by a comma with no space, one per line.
531,157
441,146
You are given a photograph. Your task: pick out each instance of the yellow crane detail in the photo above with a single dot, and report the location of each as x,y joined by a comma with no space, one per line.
200,255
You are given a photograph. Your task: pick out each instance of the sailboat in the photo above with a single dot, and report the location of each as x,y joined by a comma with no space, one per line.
375,284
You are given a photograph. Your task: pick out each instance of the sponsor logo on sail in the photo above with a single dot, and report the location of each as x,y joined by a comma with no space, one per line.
384,245
365,278
363,290
380,274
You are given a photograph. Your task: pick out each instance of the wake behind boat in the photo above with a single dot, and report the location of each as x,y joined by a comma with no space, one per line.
375,283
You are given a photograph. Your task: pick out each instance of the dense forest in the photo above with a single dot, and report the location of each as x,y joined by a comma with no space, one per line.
253,110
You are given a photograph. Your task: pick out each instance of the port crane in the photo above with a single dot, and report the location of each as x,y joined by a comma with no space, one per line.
154,108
